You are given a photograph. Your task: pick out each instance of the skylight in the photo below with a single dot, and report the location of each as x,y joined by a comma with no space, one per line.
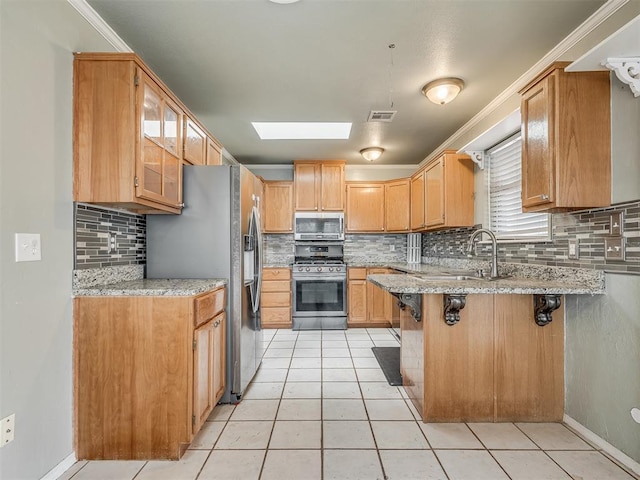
302,130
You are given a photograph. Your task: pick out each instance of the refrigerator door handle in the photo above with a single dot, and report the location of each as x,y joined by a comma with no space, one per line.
258,256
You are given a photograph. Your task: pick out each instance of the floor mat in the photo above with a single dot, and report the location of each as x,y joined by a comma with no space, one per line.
389,360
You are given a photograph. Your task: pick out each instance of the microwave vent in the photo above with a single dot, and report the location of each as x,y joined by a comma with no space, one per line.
381,115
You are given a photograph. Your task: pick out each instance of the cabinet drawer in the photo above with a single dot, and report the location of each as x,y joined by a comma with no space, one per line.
276,299
276,286
270,315
209,305
357,273
276,274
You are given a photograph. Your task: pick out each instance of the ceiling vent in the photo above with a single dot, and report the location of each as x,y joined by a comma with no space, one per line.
381,115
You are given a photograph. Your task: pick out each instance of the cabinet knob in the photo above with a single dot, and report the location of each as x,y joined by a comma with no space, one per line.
544,196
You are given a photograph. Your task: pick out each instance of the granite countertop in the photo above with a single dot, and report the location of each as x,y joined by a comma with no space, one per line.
152,287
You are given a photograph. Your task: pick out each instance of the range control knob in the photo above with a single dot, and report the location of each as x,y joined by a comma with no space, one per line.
299,269
331,269
319,269
307,269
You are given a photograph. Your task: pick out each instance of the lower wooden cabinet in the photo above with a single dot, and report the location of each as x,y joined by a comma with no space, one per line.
147,373
369,305
275,298
495,365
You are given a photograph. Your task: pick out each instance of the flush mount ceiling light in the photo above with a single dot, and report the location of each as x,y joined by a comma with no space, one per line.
302,130
284,1
443,90
372,153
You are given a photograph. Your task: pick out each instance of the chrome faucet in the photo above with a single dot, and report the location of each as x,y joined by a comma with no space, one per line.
494,248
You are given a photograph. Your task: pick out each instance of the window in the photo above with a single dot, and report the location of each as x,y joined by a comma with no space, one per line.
505,202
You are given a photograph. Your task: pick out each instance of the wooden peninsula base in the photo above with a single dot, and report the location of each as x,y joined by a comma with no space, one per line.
496,364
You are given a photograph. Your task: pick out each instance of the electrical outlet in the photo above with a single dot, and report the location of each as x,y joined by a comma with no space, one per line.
392,248
616,224
28,247
8,425
574,252
614,248
112,243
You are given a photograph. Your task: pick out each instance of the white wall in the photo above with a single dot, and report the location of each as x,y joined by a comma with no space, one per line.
37,41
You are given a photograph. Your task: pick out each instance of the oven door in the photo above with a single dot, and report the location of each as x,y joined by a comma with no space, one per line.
319,296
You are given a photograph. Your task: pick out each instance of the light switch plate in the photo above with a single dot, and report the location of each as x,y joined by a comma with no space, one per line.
574,253
616,224
614,248
28,247
7,429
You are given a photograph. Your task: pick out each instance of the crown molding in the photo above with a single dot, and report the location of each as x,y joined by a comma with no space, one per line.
590,24
102,27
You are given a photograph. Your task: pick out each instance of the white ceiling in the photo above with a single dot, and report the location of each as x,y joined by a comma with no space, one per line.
237,61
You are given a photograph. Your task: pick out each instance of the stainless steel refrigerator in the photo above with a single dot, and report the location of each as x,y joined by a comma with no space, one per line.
218,236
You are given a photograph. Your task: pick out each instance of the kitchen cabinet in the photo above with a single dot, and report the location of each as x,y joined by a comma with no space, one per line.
195,143
148,370
365,207
495,365
275,298
278,203
566,141
397,207
319,186
447,196
214,152
369,305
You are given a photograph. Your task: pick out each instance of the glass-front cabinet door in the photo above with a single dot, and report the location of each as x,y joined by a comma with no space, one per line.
159,168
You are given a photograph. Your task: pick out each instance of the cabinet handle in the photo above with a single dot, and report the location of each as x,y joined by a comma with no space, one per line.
215,325
544,196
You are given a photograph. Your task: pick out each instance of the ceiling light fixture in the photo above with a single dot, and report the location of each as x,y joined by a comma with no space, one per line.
283,1
443,90
372,153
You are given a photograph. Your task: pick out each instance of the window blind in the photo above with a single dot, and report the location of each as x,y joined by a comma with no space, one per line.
505,189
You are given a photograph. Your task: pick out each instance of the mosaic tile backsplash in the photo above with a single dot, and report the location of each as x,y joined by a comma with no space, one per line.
92,228
589,227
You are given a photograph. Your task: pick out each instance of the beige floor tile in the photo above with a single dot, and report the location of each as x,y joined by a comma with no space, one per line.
292,465
412,407
299,409
341,390
207,436
503,436
338,375
386,343
306,362
72,470
255,410
360,343
245,436
470,465
380,390
221,413
333,344
282,344
337,362
314,344
307,353
411,465
388,409
362,353
352,465
233,465
589,465
296,435
336,353
450,435
395,435
285,335
347,434
275,362
309,335
302,390
343,409
187,468
553,436
110,470
366,362
529,465
305,375
278,353
270,375
263,391
370,375
357,334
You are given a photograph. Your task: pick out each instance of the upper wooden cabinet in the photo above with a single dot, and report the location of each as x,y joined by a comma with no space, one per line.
131,135
319,185
214,152
445,187
365,207
397,209
278,206
566,140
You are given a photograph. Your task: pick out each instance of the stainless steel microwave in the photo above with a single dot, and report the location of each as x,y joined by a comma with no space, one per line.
318,226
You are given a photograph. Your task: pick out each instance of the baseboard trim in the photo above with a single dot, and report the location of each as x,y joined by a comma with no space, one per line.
62,467
601,443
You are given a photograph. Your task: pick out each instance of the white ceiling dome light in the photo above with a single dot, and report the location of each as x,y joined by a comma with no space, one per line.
284,1
443,90
372,153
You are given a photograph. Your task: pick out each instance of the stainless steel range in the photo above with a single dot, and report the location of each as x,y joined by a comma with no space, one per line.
319,287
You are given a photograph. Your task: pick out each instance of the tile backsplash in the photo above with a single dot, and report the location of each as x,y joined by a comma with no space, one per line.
92,228
588,227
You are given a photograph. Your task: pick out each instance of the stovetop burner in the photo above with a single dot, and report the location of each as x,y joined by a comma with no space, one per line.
326,261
